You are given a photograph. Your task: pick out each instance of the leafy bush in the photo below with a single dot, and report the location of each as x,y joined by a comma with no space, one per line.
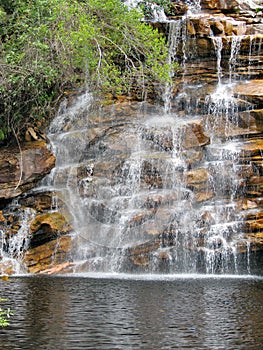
49,46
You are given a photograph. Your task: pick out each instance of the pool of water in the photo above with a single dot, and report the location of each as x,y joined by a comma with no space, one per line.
127,312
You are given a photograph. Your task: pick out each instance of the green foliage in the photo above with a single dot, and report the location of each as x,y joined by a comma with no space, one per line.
49,46
166,5
5,314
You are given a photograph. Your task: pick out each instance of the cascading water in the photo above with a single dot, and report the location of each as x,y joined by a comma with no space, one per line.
130,187
155,12
152,188
12,249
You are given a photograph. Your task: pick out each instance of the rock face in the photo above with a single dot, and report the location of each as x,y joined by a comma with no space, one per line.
47,255
147,190
37,236
31,221
20,170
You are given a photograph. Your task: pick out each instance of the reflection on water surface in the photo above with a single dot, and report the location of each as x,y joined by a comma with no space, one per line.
72,313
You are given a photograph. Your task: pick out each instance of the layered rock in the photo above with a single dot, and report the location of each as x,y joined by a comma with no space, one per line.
229,33
21,168
37,235
47,256
145,180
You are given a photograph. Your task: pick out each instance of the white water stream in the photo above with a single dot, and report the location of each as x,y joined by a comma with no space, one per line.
110,216
125,184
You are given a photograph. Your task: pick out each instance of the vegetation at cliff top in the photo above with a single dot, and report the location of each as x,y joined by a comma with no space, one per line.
50,46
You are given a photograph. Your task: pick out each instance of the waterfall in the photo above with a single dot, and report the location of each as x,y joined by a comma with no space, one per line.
194,6
235,48
12,250
218,44
175,30
157,188
155,12
132,192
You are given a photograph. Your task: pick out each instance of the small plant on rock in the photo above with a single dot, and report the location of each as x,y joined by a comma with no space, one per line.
5,314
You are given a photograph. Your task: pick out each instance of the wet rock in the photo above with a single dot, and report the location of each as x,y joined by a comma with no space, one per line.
143,248
252,148
207,25
247,204
204,196
251,91
192,156
195,136
21,170
41,202
48,255
197,176
114,139
255,226
187,137
65,267
46,227
219,4
253,120
100,212
6,268
140,218
151,176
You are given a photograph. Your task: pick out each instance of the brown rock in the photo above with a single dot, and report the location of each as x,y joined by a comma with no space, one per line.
228,27
203,196
6,268
31,135
19,171
190,27
48,226
143,248
217,28
219,4
197,176
253,119
251,91
151,176
189,136
195,136
254,226
56,221
41,201
140,260
47,255
252,148
163,255
205,46
60,268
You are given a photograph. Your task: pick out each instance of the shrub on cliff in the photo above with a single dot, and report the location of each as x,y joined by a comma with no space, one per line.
49,46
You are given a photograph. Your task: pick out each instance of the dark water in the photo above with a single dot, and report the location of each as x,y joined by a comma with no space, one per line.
74,313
